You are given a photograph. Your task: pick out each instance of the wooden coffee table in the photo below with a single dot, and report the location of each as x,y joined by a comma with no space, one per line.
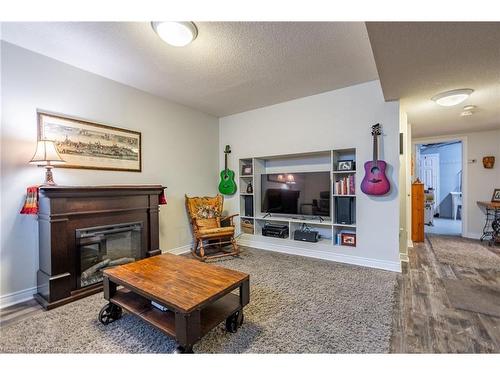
197,295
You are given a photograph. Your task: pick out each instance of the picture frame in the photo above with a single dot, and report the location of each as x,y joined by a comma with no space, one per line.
348,239
83,144
246,170
495,198
345,165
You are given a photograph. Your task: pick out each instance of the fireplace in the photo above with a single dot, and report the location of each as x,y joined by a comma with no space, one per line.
85,229
103,247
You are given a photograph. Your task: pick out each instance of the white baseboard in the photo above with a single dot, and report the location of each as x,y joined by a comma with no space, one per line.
17,297
403,257
318,254
178,250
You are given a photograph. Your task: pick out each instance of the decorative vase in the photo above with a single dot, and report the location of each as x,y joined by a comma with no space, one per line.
249,188
488,162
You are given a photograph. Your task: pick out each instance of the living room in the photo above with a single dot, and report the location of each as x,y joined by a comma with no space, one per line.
251,191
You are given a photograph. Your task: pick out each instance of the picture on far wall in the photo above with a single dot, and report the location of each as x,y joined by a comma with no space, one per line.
88,145
496,196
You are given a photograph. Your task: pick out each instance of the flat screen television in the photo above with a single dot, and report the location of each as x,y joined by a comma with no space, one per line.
304,194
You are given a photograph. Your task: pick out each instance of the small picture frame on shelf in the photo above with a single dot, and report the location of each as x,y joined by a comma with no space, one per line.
246,170
345,165
496,196
348,239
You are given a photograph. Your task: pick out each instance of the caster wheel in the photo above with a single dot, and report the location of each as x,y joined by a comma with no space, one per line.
234,321
110,313
183,350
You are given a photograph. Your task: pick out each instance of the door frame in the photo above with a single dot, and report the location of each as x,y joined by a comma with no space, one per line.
438,184
465,187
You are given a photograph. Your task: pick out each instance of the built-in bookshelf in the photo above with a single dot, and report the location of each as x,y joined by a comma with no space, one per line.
344,188
246,179
343,185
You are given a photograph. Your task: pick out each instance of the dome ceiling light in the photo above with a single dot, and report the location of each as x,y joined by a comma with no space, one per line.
178,34
453,97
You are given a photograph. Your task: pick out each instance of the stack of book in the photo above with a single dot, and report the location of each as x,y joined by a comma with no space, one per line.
345,186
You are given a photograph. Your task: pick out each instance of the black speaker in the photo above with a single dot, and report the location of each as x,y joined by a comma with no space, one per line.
249,205
344,210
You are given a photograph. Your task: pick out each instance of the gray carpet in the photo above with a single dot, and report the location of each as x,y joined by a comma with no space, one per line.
297,305
469,296
463,252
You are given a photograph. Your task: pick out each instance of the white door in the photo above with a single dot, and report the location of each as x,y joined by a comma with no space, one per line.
429,175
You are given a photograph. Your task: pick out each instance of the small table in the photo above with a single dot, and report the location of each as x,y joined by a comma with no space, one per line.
492,213
194,297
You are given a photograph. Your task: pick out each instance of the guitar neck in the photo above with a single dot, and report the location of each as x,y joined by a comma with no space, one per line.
375,148
225,162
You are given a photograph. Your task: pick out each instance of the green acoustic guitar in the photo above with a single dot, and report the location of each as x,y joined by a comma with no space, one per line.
227,185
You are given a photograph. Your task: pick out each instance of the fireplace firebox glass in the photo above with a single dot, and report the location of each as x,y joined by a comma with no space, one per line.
104,247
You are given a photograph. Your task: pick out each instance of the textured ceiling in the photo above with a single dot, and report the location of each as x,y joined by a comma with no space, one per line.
417,60
231,67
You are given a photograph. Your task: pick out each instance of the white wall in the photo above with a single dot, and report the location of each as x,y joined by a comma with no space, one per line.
405,186
180,148
479,182
332,120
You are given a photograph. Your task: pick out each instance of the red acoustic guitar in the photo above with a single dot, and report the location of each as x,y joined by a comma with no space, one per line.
375,181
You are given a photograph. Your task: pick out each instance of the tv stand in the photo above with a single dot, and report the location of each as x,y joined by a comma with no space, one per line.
329,246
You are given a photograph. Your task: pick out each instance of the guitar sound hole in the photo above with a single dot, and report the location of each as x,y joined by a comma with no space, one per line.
375,170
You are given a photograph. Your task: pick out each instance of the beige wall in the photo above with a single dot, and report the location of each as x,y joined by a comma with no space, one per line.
180,150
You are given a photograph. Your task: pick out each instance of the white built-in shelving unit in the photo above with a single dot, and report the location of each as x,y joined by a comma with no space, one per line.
323,161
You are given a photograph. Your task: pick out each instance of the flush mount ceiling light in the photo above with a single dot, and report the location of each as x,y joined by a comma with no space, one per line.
453,97
178,34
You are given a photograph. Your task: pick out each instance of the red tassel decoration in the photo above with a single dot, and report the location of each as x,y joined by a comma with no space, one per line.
31,203
162,199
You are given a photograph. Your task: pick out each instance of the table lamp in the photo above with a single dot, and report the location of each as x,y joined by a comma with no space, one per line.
46,155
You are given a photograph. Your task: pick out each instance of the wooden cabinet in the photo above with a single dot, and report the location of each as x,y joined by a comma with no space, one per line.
417,211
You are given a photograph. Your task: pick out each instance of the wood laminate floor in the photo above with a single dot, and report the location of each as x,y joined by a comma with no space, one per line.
423,319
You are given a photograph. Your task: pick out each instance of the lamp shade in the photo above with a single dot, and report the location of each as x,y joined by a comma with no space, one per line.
46,154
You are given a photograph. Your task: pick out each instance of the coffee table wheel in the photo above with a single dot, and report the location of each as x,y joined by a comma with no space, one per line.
234,321
109,313
184,350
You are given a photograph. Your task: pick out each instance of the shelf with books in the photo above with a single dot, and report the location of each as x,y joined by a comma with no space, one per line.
345,185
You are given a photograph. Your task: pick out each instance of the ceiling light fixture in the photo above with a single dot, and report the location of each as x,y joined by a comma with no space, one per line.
178,34
453,97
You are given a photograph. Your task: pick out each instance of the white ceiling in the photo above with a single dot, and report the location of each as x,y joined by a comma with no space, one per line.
231,67
415,61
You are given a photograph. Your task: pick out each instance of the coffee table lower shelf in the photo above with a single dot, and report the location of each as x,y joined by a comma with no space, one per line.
140,306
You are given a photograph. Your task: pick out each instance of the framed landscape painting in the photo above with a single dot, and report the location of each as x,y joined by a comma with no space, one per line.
84,144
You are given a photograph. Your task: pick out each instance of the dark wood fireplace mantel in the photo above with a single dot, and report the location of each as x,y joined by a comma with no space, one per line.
65,209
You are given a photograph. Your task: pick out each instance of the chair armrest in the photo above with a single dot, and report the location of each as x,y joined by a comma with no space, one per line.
230,218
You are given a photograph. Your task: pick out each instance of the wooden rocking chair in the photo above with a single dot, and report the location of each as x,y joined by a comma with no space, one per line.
205,216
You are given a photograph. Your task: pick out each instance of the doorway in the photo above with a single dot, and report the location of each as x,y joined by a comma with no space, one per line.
440,170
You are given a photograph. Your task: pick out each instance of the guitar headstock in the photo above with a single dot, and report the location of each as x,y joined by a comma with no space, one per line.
227,149
376,129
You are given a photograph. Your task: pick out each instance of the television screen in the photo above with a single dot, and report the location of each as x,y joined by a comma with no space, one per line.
306,193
